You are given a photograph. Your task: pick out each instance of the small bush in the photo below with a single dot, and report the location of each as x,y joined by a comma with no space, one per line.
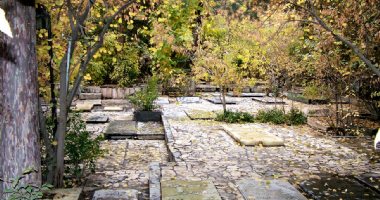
275,116
80,148
144,99
296,117
235,117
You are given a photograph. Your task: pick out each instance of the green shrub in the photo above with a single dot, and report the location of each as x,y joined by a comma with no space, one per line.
80,149
25,191
275,116
296,117
235,117
144,99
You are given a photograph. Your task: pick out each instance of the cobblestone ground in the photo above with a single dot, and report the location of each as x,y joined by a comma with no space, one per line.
126,162
207,152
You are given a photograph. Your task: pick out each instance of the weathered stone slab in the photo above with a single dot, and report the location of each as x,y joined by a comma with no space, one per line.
99,119
314,123
205,88
113,108
268,190
189,99
150,131
116,195
189,190
162,101
319,113
268,100
200,114
120,129
219,101
88,96
85,107
66,194
246,94
252,136
337,187
370,180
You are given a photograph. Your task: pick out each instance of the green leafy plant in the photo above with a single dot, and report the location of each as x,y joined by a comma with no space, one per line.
314,92
235,117
80,148
275,116
144,99
296,117
20,191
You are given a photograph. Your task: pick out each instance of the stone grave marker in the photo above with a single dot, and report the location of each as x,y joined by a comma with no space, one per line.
129,194
121,129
98,119
251,136
189,190
85,107
268,190
66,194
331,187
219,101
231,94
189,99
200,114
268,100
113,108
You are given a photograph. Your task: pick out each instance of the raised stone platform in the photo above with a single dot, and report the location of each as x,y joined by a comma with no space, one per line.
268,190
189,190
250,136
84,107
98,119
121,129
200,115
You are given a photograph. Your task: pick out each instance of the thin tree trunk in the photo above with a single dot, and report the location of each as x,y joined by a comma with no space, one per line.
223,93
19,146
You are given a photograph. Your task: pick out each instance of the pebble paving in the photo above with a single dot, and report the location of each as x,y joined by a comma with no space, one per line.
207,152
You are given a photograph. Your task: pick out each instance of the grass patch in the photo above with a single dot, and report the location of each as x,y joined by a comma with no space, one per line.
277,116
235,117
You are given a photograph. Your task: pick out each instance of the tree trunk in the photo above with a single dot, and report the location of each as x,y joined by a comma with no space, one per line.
223,99
19,146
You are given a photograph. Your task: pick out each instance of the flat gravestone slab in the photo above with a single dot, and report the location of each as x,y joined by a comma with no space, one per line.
162,101
337,187
219,101
113,108
189,190
120,129
200,114
116,195
268,100
189,99
252,136
90,96
268,190
96,102
370,180
85,107
246,94
97,120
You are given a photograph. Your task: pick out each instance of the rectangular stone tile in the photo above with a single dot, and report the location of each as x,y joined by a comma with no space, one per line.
85,107
189,190
189,99
200,114
115,195
113,108
98,119
268,190
252,136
